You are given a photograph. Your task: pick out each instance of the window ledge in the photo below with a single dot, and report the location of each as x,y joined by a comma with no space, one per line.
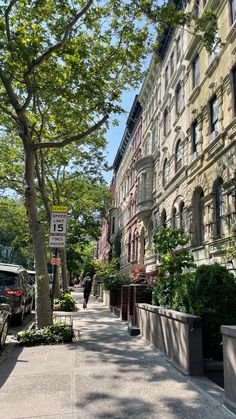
214,145
194,94
232,33
197,247
178,115
177,174
212,66
231,128
195,159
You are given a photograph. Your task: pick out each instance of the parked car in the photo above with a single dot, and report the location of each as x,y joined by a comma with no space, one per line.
16,290
5,317
32,278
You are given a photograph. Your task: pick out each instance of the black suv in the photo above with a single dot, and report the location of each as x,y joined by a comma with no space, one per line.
16,290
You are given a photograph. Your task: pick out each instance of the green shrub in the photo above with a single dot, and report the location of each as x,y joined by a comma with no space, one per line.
50,335
65,303
163,291
170,246
116,280
212,295
105,270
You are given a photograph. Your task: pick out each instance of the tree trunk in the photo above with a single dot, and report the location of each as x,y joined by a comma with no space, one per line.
64,270
43,306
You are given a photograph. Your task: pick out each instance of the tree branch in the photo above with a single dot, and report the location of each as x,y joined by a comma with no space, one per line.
73,138
47,54
11,94
7,13
5,110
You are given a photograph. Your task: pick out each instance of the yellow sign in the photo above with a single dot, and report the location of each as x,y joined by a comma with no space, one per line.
59,208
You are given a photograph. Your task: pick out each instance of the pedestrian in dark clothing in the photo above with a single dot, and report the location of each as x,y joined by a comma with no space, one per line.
87,283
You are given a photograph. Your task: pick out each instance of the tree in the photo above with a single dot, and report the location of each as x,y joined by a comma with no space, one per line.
174,256
14,232
170,245
63,66
71,177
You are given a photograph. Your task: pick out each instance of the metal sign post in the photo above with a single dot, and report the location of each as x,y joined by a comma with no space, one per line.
57,238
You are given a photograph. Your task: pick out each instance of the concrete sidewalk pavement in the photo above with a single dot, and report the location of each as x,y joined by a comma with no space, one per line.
105,374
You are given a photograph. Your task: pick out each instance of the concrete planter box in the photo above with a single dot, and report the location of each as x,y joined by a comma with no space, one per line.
106,298
177,335
138,293
229,356
124,302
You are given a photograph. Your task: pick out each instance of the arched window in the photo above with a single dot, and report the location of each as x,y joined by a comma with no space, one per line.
178,155
198,217
150,235
163,219
129,248
166,121
178,98
135,257
196,9
165,175
174,218
232,10
218,209
182,220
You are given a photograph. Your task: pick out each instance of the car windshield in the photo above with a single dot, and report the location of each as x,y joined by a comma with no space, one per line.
7,279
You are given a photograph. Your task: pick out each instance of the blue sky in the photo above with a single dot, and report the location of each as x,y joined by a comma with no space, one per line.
114,134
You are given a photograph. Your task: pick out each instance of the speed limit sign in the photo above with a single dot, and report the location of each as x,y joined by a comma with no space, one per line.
58,227
58,223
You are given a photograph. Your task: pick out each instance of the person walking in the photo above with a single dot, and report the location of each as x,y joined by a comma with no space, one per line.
87,283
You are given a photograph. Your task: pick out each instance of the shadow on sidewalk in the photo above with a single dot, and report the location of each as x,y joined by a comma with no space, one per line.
8,360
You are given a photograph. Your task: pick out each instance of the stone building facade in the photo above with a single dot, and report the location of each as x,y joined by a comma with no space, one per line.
178,167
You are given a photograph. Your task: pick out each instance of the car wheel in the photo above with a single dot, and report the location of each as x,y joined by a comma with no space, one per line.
3,334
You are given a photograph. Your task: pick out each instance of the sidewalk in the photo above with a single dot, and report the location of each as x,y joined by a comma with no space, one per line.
105,374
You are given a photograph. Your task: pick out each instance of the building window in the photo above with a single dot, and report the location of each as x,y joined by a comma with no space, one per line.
154,133
113,225
218,209
129,248
165,172
178,98
178,49
196,71
214,51
198,217
195,138
163,219
166,77
233,78
182,220
142,186
172,63
166,121
146,148
174,218
214,115
196,9
232,10
135,256
178,155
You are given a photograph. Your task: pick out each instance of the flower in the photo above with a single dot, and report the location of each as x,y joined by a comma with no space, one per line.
138,275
